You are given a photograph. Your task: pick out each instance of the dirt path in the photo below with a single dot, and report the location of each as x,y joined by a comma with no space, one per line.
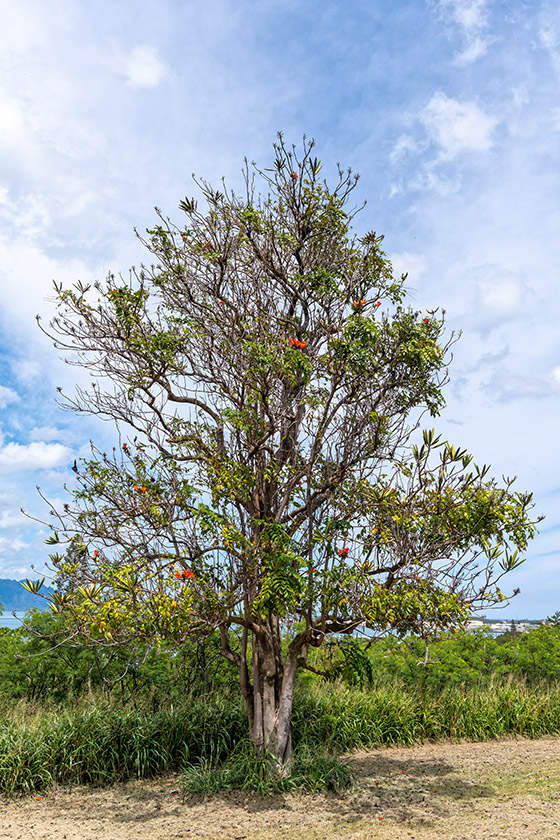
504,790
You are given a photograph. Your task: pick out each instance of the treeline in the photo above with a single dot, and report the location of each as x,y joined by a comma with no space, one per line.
36,664
471,660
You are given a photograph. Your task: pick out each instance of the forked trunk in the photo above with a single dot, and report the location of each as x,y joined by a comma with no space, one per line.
270,706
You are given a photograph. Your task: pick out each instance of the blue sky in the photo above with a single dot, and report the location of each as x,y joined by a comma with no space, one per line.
449,110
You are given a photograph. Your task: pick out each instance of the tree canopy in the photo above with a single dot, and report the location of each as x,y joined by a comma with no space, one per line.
272,481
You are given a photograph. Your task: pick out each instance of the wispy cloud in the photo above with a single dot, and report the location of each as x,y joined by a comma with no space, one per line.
508,385
457,127
7,396
47,433
549,35
143,67
471,18
11,519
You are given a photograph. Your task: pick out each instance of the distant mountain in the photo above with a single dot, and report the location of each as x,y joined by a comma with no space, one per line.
14,597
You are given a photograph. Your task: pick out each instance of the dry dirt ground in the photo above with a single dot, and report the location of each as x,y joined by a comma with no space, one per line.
503,790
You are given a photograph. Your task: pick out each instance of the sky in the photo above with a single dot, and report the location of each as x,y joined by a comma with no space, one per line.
448,109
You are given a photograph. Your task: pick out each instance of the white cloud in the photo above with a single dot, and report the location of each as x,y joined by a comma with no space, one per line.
11,519
37,455
47,433
502,296
507,385
21,28
412,264
470,14
472,19
7,396
405,144
12,122
550,39
10,545
555,376
143,68
457,126
475,48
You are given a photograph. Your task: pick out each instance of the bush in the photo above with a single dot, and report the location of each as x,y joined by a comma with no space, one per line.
38,665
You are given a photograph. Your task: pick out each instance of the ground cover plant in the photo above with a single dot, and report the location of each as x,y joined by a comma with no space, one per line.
267,380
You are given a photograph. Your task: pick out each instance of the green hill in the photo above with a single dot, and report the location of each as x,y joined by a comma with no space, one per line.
14,597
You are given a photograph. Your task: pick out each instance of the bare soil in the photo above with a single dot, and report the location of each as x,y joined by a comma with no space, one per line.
500,790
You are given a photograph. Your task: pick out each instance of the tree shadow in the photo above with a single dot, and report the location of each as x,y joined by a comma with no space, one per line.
407,789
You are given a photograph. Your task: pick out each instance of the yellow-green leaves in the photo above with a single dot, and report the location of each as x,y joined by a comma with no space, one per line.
412,603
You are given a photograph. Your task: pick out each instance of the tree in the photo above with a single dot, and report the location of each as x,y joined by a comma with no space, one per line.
276,488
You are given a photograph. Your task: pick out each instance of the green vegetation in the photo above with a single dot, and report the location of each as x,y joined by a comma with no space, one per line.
468,660
66,716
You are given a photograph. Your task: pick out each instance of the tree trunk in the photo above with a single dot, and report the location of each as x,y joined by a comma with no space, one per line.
271,701
267,680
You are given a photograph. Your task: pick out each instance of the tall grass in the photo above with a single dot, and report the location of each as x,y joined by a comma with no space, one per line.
342,718
106,744
103,743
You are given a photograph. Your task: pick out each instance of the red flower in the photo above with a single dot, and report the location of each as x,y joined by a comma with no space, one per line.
178,575
426,320
187,574
295,176
343,552
363,302
95,553
124,445
303,344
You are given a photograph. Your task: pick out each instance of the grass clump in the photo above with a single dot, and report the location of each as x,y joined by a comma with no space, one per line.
343,718
313,770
